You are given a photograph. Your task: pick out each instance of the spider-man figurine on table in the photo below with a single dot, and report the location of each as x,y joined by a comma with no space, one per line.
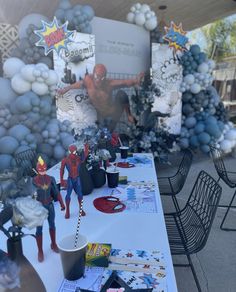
47,192
72,163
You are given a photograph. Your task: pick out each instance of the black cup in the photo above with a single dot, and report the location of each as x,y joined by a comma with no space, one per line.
112,178
73,258
124,152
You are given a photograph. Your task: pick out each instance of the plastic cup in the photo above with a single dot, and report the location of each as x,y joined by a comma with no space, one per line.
112,178
73,258
124,152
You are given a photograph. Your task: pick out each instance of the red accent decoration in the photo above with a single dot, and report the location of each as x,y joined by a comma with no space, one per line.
72,148
114,139
124,164
42,180
41,167
109,205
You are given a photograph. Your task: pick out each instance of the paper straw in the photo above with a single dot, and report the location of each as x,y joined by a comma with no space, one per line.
121,144
78,225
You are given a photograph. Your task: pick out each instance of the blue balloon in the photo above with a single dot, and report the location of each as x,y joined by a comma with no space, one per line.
8,145
187,96
88,10
194,141
195,49
187,109
19,132
221,125
2,131
190,122
23,104
205,149
211,120
184,143
5,161
202,57
199,128
204,138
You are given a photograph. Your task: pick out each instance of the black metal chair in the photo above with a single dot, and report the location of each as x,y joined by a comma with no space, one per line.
172,185
189,228
26,161
229,177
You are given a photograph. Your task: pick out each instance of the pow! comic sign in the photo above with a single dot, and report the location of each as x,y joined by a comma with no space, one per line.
176,37
53,37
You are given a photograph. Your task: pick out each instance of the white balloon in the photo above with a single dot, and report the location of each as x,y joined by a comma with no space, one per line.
144,8
137,6
211,64
39,88
12,66
52,77
203,68
42,67
45,74
195,88
27,72
130,17
148,15
37,72
189,79
133,9
19,84
231,135
140,19
153,13
151,23
40,79
225,146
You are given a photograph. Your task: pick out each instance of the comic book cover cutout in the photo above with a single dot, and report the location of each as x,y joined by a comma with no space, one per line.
73,65
167,75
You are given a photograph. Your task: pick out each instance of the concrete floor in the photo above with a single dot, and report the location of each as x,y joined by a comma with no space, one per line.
215,265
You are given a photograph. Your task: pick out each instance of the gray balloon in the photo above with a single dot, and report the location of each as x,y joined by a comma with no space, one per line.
8,145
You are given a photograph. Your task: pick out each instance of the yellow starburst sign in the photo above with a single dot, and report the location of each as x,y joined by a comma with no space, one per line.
176,37
53,37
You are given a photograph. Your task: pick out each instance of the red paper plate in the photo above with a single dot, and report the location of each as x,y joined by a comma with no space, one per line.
124,164
109,205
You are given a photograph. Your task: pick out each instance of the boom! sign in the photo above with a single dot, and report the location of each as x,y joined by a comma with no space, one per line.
53,37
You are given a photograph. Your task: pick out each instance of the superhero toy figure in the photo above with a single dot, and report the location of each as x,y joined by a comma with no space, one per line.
47,192
72,163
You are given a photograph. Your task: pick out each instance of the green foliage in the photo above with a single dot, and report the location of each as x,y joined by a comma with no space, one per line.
220,38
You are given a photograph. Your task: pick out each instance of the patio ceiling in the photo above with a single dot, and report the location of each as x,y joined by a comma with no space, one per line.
192,13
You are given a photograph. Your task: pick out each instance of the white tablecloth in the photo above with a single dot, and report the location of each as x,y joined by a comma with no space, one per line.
144,231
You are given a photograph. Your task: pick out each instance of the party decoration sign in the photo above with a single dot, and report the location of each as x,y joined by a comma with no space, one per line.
167,76
72,65
54,37
176,37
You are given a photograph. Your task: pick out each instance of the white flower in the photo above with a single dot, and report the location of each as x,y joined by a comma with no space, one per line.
28,212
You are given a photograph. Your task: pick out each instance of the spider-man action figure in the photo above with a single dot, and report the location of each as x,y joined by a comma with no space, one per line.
72,163
47,192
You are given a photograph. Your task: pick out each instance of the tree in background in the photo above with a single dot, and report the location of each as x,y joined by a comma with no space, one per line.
220,38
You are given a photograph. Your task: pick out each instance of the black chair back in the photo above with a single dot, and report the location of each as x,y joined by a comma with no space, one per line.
197,216
178,180
26,161
217,157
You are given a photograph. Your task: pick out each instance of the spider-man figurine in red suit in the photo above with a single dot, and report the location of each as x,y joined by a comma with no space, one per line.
72,163
47,192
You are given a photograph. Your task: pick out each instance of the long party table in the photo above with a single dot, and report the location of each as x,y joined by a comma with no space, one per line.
140,227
